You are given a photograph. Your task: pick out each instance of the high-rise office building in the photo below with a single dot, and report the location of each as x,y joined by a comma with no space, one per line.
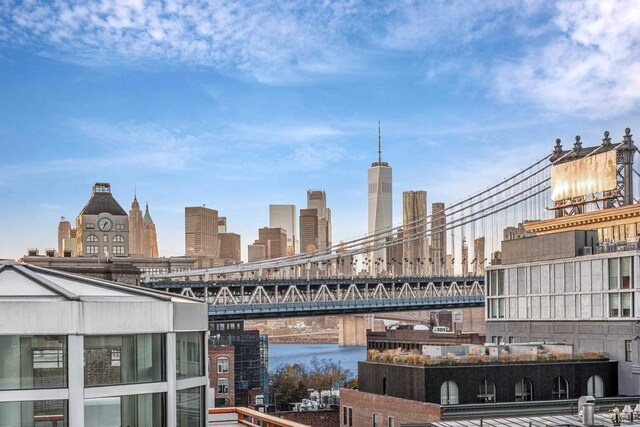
438,248
222,224
478,257
150,237
465,258
275,241
65,232
284,216
414,220
230,247
201,231
257,252
380,208
136,229
317,199
308,230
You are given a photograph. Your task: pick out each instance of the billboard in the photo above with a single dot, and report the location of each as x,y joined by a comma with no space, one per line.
584,176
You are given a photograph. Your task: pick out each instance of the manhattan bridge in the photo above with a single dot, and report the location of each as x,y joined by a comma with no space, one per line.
462,240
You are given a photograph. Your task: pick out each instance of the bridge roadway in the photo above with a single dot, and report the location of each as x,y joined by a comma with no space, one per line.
279,298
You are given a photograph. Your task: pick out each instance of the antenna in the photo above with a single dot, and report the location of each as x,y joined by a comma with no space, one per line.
379,144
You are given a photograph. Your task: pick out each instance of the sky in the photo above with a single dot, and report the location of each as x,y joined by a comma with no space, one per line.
238,105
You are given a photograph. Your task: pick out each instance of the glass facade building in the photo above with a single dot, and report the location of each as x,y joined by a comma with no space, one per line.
98,353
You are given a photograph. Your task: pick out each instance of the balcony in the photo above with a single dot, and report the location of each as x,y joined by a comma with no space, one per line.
246,417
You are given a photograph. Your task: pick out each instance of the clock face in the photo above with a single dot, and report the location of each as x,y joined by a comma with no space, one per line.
105,224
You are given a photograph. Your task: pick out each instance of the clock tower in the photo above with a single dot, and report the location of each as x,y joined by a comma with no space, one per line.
102,227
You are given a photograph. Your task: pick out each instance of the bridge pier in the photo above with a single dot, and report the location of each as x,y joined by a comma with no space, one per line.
352,330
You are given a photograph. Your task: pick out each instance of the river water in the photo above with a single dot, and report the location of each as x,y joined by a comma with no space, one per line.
280,354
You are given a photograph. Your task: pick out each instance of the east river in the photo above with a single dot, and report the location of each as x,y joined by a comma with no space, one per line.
280,354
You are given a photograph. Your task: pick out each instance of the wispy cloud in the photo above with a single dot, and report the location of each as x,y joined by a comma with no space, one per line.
271,41
592,67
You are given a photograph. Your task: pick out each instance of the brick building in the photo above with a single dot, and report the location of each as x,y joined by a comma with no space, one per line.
222,374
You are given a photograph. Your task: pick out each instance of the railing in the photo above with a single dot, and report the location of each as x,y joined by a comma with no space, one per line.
247,417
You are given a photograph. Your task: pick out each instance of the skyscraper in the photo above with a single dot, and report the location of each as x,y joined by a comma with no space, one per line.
380,208
274,240
150,238
414,213
284,216
308,230
136,229
438,248
317,199
201,231
64,232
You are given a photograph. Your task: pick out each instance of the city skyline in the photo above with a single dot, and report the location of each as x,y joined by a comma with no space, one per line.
237,130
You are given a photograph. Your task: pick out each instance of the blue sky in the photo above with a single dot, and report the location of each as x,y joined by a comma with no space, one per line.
237,105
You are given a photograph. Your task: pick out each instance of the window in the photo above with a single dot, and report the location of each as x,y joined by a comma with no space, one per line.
560,388
344,415
91,250
32,362
374,420
384,386
487,391
496,306
105,249
223,365
190,407
123,359
23,413
139,410
628,351
118,250
524,390
92,238
105,238
118,239
621,304
595,386
189,357
392,422
613,273
350,417
223,385
120,227
90,226
448,393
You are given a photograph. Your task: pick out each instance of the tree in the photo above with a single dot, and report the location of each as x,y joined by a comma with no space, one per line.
290,383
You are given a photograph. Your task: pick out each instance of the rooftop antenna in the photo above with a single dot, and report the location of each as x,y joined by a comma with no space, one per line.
379,144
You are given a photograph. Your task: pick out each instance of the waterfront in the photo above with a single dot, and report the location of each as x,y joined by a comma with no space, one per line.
348,357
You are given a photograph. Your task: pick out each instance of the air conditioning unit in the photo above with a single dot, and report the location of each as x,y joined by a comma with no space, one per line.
587,250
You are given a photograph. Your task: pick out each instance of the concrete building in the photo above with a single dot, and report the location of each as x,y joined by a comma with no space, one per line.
257,252
65,232
438,247
102,227
380,208
274,240
414,220
201,231
98,352
230,248
129,270
308,230
317,199
284,216
479,259
566,288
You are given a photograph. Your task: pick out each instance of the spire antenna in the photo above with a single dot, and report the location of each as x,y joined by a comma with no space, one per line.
379,144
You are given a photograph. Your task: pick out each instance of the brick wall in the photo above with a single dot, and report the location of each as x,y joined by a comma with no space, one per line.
364,405
312,418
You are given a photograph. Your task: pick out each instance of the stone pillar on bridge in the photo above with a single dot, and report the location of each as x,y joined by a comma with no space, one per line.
352,330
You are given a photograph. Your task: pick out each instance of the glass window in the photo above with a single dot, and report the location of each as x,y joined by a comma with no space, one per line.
189,356
614,305
118,239
190,407
134,410
118,250
92,238
392,422
595,386
487,391
628,351
90,226
626,304
39,413
448,393
28,362
613,273
105,238
223,365
374,421
350,417
344,415
223,385
123,359
560,388
625,273
524,390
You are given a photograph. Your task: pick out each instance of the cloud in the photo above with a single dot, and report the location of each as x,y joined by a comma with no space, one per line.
271,41
591,68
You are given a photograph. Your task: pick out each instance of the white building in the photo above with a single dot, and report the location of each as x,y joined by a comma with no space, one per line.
79,351
380,209
284,216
